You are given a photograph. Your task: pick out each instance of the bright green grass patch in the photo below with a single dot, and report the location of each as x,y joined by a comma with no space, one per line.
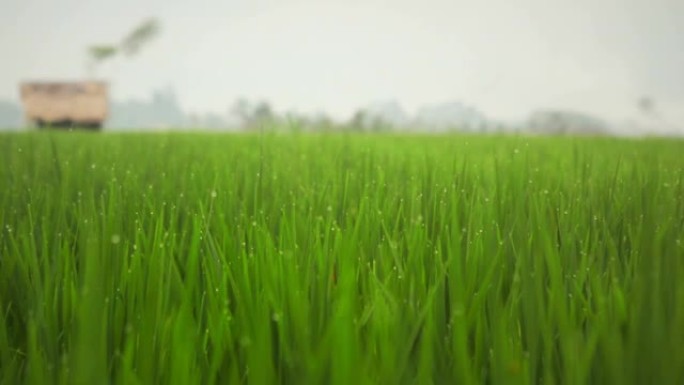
335,259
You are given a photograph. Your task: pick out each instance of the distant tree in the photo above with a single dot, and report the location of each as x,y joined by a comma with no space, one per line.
325,123
295,122
358,121
140,36
559,122
253,115
263,112
378,124
129,46
242,110
98,55
369,120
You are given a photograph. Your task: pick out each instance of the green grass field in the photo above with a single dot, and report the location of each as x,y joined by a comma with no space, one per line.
340,259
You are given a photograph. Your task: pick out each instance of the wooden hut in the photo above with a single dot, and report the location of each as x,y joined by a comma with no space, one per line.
65,104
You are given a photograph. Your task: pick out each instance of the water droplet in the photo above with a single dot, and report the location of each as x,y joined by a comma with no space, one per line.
116,239
245,341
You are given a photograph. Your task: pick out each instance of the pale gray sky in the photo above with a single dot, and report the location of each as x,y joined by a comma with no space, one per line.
504,57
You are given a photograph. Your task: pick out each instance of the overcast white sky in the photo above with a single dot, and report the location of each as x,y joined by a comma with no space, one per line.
504,57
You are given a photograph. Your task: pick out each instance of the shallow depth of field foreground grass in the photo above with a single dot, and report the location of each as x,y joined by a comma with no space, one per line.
181,259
